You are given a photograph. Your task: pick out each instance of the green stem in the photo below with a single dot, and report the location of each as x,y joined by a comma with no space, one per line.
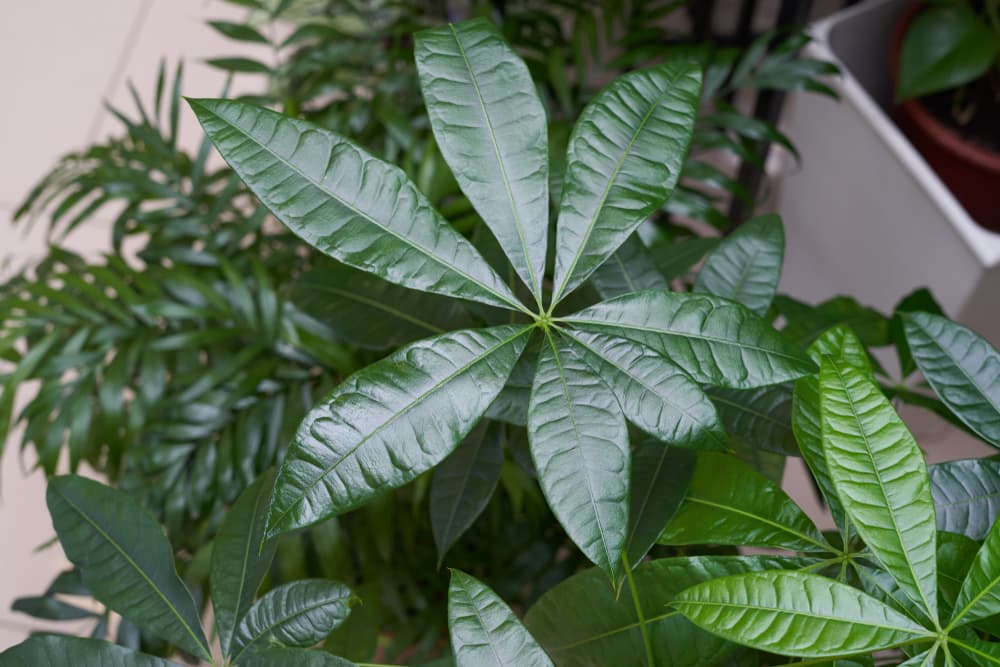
646,641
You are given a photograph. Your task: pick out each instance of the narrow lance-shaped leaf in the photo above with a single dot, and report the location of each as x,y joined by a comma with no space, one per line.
961,366
124,559
979,596
348,204
880,477
301,614
629,269
623,161
60,651
728,503
240,558
715,341
484,631
841,342
660,478
746,266
464,482
795,613
492,130
966,495
580,446
653,393
390,422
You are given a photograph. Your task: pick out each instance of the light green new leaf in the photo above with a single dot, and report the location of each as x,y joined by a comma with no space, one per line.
961,366
760,417
585,622
484,631
746,266
629,269
369,312
390,422
795,613
660,478
979,596
713,340
240,558
654,394
623,161
124,559
492,131
301,613
62,651
838,341
464,482
579,443
966,495
293,657
880,477
728,503
347,204
925,659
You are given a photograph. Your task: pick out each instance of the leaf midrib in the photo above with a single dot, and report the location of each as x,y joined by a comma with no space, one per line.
206,654
482,623
764,520
419,399
243,571
381,305
284,619
430,255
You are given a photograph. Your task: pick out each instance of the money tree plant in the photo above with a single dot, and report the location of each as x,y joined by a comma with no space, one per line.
126,563
642,356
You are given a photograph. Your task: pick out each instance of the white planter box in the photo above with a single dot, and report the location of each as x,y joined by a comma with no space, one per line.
865,215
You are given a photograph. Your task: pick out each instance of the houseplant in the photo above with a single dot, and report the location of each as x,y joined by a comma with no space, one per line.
946,60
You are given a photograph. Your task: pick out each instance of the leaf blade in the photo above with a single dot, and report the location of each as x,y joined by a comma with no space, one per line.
746,266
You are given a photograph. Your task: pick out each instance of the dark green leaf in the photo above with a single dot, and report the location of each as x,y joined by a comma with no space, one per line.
348,204
715,341
484,631
629,269
580,446
124,558
238,31
919,300
966,495
491,129
293,657
728,503
979,596
761,418
60,651
623,161
746,266
660,478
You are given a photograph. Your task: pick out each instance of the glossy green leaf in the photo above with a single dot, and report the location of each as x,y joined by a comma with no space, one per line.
653,393
961,366
629,269
484,630
804,322
390,422
838,341
880,477
491,129
62,651
660,478
945,46
955,556
715,341
975,652
919,300
301,613
463,484
795,613
623,161
238,31
586,621
293,657
579,443
124,559
348,204
966,495
240,558
728,503
761,418
746,266
511,405
370,312
979,596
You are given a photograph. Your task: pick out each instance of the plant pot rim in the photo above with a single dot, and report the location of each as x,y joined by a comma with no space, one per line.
939,132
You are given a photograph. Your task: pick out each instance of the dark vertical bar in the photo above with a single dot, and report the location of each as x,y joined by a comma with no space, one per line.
700,12
744,26
767,107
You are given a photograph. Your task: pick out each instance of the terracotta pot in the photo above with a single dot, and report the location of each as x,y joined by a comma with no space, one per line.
971,172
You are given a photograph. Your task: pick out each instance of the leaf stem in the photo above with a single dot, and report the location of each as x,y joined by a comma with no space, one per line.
646,641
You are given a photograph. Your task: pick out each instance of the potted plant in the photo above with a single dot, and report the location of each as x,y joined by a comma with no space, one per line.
946,62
